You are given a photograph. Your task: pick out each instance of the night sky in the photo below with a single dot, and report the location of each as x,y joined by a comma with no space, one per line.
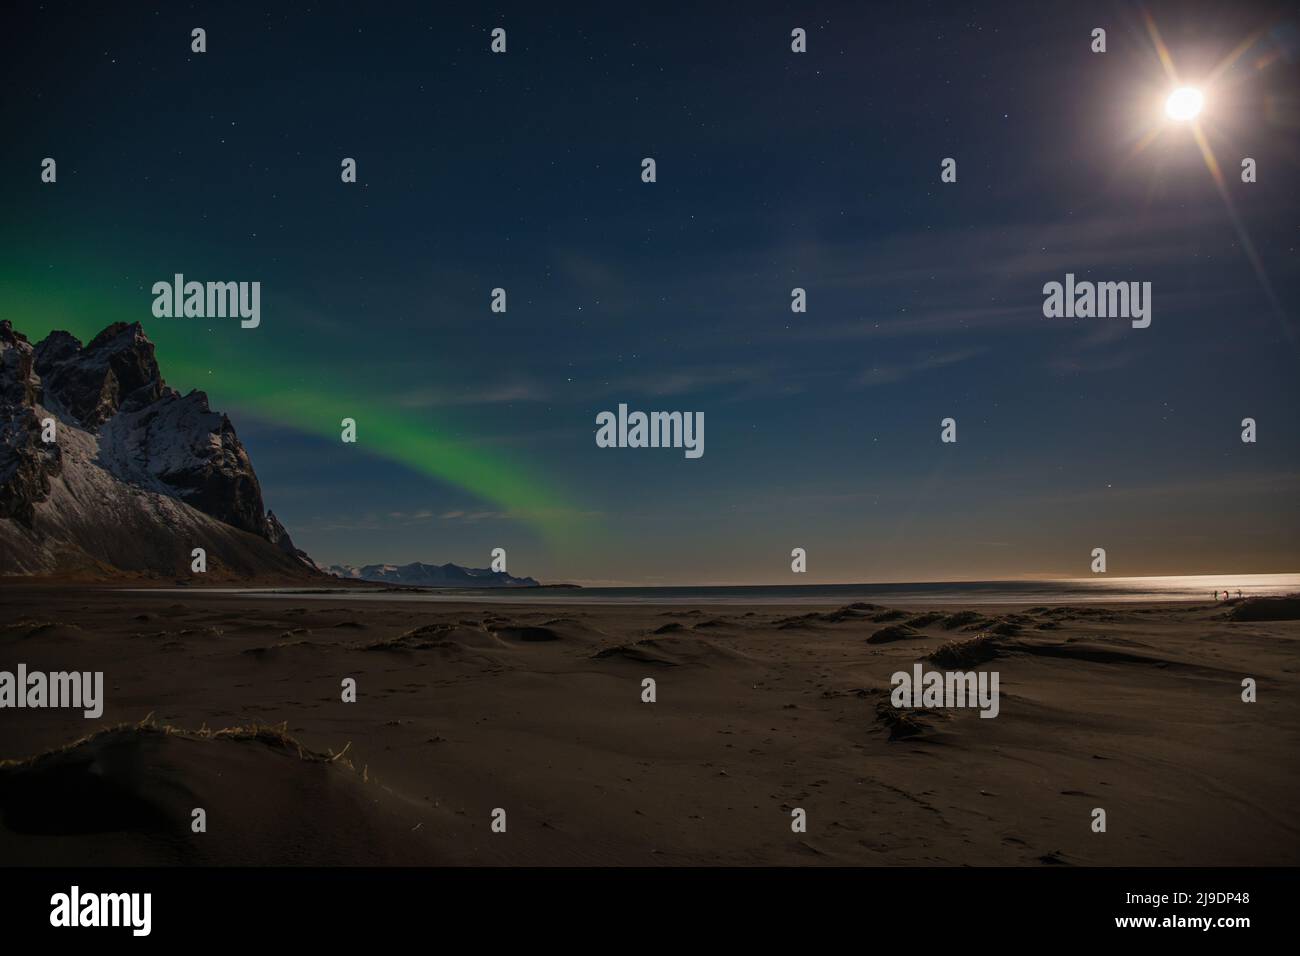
775,170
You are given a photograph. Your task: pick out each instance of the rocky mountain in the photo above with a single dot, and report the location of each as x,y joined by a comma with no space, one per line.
137,474
432,576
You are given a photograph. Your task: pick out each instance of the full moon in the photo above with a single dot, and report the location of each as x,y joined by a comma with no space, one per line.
1184,103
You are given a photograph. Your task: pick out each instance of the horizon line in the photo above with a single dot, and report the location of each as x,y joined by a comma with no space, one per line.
1024,580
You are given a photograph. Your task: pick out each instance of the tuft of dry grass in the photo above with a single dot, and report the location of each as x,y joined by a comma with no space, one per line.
974,650
269,735
904,723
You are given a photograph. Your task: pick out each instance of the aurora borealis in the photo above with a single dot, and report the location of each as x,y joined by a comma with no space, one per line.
775,171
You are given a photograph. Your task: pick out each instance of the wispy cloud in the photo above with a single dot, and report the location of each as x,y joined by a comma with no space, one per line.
494,394
889,374
395,519
688,380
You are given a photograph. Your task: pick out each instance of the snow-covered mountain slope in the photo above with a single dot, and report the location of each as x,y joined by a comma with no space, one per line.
139,475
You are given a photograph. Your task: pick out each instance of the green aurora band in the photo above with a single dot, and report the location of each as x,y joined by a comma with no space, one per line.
264,389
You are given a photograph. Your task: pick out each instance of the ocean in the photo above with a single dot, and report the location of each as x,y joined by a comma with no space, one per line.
1104,590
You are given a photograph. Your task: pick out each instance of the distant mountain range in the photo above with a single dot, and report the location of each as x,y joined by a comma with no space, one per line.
138,475
416,574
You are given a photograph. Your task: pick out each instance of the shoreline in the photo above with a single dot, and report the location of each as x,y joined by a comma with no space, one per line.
1111,591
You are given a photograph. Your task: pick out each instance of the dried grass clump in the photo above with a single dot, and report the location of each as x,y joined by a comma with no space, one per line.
974,650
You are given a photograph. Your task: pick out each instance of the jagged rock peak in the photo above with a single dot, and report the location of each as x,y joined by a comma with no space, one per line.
18,382
92,384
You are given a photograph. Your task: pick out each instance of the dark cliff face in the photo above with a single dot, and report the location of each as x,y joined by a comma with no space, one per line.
18,386
26,463
176,443
275,532
149,435
222,483
91,384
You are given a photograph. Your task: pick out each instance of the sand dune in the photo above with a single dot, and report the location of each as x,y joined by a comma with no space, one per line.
128,795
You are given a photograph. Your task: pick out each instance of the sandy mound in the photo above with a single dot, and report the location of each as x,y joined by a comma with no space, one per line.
1267,609
271,651
965,619
893,632
713,622
125,796
928,619
967,653
527,633
857,611
45,630
441,635
673,652
798,621
891,615
641,652
1095,652
906,722
849,612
